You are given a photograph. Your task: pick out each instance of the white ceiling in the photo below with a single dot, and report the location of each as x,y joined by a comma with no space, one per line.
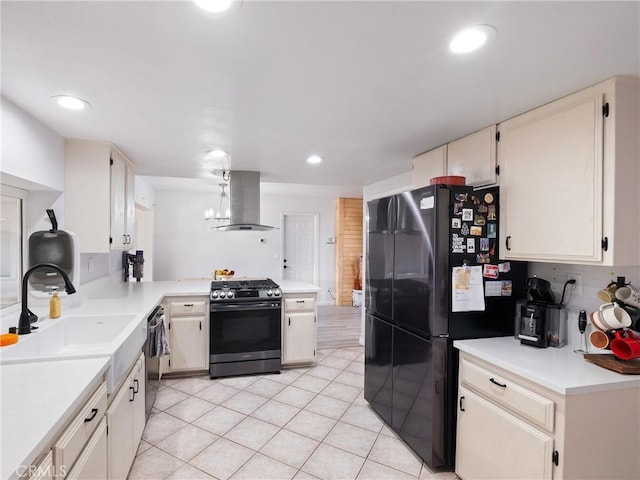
366,85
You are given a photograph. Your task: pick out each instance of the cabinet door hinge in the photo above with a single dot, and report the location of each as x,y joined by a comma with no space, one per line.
497,169
497,136
555,457
605,243
110,160
605,109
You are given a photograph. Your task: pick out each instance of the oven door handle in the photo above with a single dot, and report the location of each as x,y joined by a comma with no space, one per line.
245,306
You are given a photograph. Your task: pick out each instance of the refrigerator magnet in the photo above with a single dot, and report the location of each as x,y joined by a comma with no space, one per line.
490,271
467,214
504,267
476,231
491,230
457,244
507,288
455,223
483,208
483,258
462,197
491,215
464,230
479,220
488,198
471,245
457,208
484,244
493,289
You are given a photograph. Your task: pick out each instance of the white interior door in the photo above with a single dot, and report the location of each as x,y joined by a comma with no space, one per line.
300,247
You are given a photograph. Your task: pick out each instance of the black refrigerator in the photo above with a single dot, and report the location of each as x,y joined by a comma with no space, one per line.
433,275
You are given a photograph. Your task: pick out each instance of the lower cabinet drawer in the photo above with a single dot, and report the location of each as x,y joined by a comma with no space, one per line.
299,304
187,307
535,408
70,445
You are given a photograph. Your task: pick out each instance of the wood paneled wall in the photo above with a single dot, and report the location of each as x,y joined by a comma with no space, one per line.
348,247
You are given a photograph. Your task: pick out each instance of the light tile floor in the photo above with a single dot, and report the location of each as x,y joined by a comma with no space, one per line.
306,423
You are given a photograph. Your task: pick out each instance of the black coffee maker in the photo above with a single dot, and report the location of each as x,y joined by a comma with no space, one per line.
540,321
137,261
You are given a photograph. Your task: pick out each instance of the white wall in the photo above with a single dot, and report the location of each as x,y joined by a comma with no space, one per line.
33,159
187,247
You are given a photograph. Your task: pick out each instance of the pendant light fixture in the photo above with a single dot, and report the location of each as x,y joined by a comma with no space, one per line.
223,211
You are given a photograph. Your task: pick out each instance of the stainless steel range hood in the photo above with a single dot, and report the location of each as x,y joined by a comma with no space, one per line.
245,202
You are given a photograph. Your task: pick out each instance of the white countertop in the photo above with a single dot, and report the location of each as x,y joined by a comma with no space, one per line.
30,418
558,369
37,399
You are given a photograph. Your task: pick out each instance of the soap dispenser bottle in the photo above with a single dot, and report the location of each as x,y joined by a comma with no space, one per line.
54,304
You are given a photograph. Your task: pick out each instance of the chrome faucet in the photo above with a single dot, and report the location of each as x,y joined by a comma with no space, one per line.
26,316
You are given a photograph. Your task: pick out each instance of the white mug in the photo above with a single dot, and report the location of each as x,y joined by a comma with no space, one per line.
628,295
614,317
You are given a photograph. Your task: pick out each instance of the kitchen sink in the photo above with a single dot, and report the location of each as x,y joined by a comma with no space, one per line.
82,336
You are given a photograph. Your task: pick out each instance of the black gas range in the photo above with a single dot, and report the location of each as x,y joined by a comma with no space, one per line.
229,291
245,327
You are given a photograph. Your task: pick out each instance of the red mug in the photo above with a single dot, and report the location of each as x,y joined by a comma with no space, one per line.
625,345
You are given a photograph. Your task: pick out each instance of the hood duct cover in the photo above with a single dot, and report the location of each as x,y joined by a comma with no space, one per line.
245,202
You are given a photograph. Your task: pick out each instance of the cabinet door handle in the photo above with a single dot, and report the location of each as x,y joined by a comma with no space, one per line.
501,385
132,397
124,239
136,386
460,403
188,305
289,321
200,324
507,242
299,301
94,412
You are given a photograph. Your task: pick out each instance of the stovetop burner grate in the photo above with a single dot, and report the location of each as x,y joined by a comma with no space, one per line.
261,284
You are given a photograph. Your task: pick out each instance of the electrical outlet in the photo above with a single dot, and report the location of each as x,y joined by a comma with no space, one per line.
577,287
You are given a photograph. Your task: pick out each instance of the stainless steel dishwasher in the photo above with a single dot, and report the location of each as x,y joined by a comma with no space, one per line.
151,374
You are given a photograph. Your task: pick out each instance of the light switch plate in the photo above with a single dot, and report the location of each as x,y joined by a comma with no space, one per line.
577,287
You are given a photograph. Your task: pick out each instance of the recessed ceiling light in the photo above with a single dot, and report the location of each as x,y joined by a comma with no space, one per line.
314,159
472,38
217,153
70,103
215,6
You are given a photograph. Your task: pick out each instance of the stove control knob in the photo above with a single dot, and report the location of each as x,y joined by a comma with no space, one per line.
277,292
229,294
214,295
223,294
269,292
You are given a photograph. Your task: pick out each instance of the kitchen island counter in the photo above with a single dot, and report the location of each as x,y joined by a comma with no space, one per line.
558,369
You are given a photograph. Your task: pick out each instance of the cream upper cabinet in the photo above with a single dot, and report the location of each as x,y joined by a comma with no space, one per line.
99,196
569,177
428,165
474,157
